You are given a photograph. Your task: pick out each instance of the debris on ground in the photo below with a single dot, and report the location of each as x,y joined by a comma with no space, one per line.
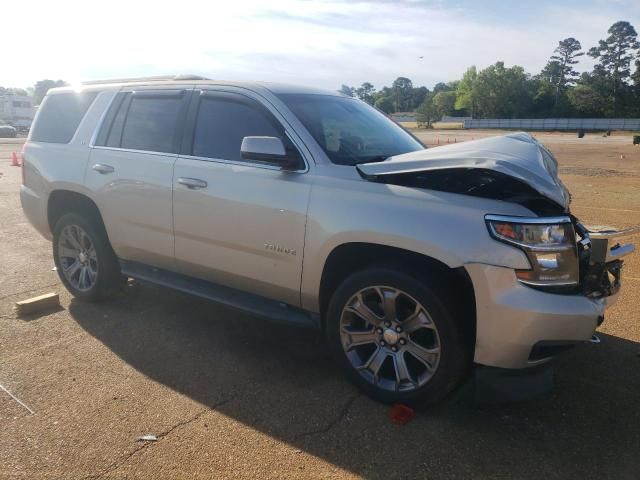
148,438
37,304
17,399
401,414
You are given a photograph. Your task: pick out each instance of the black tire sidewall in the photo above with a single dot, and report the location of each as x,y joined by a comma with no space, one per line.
109,277
454,357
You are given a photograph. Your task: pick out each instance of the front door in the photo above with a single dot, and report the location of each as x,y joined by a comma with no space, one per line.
238,223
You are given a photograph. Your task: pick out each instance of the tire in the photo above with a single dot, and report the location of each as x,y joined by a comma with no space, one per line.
81,244
432,346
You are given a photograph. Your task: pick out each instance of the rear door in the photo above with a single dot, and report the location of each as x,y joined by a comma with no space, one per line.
239,223
130,172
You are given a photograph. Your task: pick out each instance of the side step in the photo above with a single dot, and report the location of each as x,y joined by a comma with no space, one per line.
246,302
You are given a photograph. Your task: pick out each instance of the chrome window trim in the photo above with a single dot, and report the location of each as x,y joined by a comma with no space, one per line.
131,150
528,220
203,159
241,163
548,285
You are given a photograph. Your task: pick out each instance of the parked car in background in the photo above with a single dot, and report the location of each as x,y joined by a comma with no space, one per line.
7,131
315,209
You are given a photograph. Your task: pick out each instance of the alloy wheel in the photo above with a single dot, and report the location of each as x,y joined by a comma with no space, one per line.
78,258
389,338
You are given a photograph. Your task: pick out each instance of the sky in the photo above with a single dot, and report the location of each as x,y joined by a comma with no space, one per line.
321,43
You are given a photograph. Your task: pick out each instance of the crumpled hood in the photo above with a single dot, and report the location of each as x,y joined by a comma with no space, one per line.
518,155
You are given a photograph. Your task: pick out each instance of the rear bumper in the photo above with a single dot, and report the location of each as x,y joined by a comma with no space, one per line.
512,318
35,209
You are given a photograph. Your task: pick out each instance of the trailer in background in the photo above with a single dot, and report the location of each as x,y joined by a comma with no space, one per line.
17,111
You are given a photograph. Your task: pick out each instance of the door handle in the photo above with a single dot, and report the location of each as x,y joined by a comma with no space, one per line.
103,169
192,183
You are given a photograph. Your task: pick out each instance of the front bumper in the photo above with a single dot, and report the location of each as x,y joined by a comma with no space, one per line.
511,318
518,326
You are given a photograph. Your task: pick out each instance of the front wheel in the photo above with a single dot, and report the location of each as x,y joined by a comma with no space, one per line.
84,258
395,338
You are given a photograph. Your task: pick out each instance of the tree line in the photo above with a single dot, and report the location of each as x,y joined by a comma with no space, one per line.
610,89
37,92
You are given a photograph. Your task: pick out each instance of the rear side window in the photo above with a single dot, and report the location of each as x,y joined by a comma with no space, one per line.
59,116
151,123
223,122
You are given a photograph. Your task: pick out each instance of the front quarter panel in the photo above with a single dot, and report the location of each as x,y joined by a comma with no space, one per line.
450,228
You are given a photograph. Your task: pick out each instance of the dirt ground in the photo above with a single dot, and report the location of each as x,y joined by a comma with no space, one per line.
231,396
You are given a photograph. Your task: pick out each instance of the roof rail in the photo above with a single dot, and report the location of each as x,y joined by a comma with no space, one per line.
157,78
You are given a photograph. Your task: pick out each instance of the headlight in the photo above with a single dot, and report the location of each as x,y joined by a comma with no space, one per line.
550,245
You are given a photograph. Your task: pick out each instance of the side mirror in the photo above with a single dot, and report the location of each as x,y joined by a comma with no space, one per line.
269,150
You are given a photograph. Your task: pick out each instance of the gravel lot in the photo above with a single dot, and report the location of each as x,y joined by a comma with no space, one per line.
231,396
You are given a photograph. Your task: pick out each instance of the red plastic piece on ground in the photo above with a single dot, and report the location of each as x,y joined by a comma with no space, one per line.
401,414
14,160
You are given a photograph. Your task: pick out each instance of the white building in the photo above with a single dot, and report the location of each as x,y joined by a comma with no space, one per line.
16,110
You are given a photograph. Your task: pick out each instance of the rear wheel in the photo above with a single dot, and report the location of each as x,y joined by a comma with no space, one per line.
395,337
84,259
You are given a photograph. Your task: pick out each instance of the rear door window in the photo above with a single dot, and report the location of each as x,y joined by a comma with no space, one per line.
152,122
224,120
59,116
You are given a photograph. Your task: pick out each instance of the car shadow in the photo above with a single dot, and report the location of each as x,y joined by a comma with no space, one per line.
280,381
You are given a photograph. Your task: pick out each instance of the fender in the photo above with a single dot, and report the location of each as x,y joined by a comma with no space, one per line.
443,226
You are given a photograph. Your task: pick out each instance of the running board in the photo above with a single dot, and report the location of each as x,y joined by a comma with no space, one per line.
230,297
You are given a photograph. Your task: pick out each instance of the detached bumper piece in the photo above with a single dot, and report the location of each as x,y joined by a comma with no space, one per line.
601,258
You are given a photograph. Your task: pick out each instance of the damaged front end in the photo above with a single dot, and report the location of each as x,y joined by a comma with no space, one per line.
516,168
600,254
513,168
476,182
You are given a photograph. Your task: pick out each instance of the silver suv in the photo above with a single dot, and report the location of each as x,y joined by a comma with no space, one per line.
315,209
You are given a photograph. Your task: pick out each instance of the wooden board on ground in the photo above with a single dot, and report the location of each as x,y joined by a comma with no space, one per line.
37,304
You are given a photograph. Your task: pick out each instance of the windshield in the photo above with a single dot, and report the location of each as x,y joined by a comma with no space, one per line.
348,130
